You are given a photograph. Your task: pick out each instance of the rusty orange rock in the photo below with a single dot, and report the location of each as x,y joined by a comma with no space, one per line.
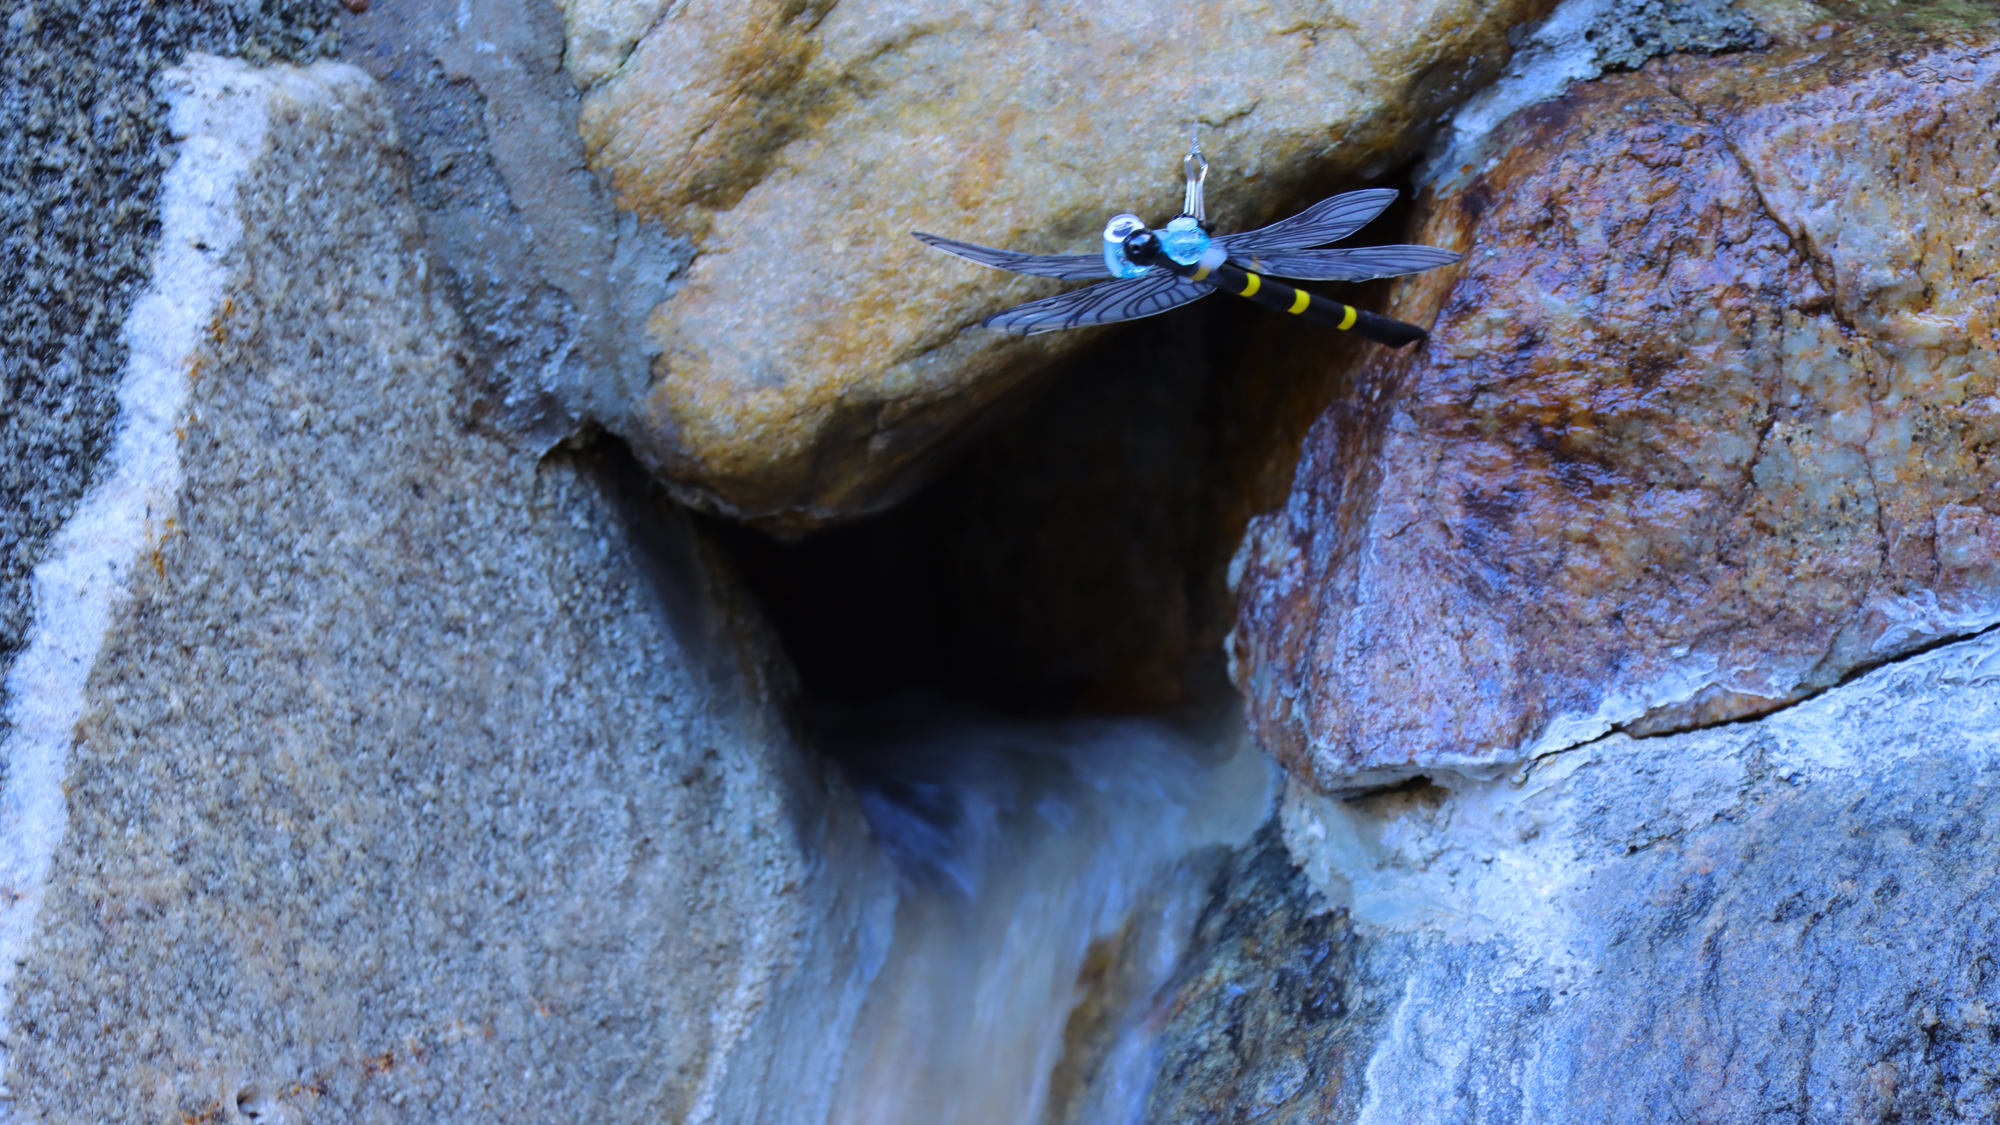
818,356
1708,421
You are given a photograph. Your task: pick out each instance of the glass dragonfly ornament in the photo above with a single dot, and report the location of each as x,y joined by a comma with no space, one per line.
1186,261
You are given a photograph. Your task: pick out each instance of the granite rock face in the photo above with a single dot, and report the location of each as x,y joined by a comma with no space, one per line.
1784,920
80,166
817,354
552,282
1705,425
1789,919
360,760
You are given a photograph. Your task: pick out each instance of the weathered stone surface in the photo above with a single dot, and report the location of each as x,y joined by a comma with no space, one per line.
80,161
552,282
1706,423
1584,39
1789,919
358,759
817,353
1259,1027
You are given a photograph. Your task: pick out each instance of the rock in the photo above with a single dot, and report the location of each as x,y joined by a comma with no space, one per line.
818,356
1076,553
552,281
1259,1028
1582,39
356,757
1703,427
77,195
1785,919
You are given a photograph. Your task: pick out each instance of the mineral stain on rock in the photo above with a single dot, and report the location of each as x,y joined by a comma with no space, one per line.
1706,423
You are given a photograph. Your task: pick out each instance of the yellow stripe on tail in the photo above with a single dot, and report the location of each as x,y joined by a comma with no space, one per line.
1347,321
1300,302
1250,287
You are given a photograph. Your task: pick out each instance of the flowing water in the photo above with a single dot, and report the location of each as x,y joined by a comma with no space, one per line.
1049,877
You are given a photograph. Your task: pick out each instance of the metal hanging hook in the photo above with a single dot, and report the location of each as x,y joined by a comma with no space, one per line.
1195,167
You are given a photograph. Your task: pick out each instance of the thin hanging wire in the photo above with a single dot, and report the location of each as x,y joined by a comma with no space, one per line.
1194,166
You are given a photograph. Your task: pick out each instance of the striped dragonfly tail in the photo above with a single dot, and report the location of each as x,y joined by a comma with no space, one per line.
1274,294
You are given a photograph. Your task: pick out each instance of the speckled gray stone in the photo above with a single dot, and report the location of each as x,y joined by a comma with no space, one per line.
1785,920
414,775
82,144
1582,39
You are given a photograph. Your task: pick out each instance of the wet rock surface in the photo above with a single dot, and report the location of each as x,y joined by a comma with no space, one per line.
1705,424
1260,1026
818,355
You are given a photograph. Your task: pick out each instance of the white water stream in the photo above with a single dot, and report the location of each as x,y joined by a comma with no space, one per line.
1019,846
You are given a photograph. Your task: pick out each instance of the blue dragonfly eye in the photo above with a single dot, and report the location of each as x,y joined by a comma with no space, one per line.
1120,228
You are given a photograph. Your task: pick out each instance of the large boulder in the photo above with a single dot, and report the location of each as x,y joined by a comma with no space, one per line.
357,756
817,354
1704,426
1787,919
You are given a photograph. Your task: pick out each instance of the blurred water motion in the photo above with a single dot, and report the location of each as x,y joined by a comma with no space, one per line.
1050,874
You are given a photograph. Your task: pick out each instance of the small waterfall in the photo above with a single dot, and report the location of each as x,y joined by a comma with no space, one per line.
1050,875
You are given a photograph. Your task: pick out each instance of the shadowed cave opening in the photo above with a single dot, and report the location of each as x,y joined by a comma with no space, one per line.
1071,556
1071,559
1064,562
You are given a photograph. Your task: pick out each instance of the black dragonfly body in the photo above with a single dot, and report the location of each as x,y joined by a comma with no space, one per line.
1186,261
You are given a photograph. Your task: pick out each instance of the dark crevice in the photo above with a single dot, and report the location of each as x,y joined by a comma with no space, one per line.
1416,785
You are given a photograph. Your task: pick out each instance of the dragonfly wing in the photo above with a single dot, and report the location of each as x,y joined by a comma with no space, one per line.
1329,220
1099,304
1068,267
1362,263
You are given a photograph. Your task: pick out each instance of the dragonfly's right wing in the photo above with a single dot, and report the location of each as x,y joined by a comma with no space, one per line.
1361,263
1100,304
1329,220
1068,267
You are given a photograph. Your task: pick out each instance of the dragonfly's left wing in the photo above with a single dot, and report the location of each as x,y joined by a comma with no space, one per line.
1068,267
1362,263
1329,220
1100,304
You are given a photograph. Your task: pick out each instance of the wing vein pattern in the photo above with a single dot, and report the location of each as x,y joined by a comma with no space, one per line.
1361,263
1100,304
1329,220
1067,267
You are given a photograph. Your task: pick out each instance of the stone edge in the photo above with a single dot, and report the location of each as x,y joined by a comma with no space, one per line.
220,117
